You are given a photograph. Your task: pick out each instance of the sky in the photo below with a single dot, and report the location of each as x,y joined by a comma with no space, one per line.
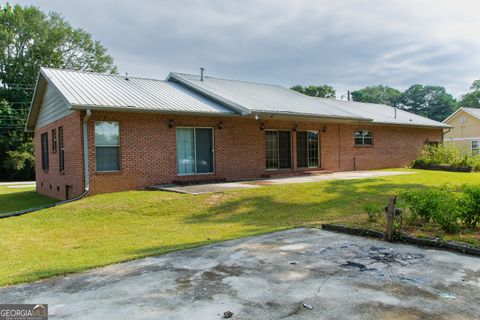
347,44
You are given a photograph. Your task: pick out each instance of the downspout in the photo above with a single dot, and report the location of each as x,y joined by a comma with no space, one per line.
444,133
86,175
339,148
85,170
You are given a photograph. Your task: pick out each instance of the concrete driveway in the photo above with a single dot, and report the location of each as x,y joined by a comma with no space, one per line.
271,277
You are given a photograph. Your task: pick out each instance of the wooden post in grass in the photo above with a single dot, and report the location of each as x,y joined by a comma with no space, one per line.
390,213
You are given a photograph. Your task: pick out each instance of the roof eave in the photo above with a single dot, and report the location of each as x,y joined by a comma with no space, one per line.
453,114
470,113
35,104
81,107
458,111
298,114
446,126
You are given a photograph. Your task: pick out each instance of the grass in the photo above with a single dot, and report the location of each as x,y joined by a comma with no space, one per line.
110,228
20,198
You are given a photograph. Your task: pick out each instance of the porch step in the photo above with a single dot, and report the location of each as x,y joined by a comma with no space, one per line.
198,181
296,173
315,172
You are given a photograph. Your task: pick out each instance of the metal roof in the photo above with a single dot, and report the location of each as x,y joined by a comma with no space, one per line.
383,114
186,93
257,97
263,98
85,89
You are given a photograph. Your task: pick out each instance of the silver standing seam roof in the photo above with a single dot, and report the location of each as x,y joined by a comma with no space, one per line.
275,99
86,89
186,93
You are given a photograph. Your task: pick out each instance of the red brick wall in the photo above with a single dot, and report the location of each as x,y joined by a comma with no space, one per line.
53,182
393,146
148,149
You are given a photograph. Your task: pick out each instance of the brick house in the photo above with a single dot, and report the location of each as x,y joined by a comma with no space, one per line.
100,133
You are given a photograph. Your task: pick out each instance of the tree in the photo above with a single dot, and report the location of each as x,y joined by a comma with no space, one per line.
429,101
471,99
323,91
30,39
377,94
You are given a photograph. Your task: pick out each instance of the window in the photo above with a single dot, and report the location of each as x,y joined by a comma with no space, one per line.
307,149
54,140
107,145
363,138
194,150
475,147
277,149
44,145
61,156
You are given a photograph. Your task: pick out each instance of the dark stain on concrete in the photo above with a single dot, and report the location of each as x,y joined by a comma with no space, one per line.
385,311
401,291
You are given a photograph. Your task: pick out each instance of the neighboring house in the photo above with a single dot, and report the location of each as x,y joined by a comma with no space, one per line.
104,133
465,133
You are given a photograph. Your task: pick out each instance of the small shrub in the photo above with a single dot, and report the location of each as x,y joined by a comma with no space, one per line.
438,205
373,211
470,206
445,154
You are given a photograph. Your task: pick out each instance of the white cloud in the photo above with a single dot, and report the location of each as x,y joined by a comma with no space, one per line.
349,44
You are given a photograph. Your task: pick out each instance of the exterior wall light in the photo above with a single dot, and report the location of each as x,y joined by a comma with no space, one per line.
262,126
220,125
324,129
171,123
296,128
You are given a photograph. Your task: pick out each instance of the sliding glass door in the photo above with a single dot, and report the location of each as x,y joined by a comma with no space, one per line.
194,150
278,149
307,149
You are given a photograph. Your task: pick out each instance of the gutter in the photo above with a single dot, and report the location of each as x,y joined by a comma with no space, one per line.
85,170
444,133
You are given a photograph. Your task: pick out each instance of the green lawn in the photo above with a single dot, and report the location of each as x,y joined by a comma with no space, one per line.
20,198
105,229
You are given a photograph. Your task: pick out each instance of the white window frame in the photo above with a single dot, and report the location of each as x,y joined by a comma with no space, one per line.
363,139
61,149
45,151
195,151
109,146
477,148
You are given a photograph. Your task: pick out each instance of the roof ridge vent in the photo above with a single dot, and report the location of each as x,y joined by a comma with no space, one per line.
201,73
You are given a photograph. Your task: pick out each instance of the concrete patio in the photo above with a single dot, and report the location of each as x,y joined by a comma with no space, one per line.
225,186
299,274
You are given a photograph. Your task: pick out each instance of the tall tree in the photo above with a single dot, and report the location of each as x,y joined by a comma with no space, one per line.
429,101
323,91
30,39
471,99
377,94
